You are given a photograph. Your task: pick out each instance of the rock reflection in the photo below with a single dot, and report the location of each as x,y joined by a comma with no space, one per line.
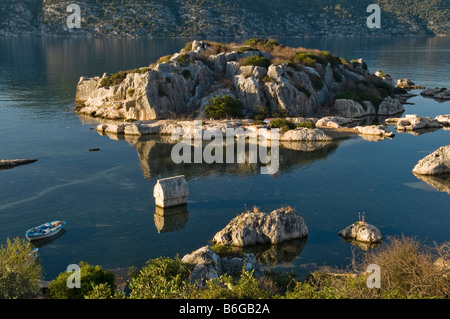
285,252
362,245
439,182
171,219
154,152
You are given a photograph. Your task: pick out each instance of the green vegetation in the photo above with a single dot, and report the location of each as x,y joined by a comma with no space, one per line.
408,271
283,124
159,18
223,107
131,92
90,276
161,278
117,78
316,82
256,61
20,271
306,124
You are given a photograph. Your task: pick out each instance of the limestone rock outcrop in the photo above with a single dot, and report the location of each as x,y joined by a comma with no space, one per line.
255,227
362,232
438,162
209,265
379,130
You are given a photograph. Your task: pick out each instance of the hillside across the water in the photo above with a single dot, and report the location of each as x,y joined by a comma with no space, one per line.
224,18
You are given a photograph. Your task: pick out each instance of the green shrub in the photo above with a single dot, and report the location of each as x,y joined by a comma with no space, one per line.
304,90
117,78
262,113
223,107
257,41
306,124
316,82
186,73
258,122
309,59
245,49
113,79
164,59
256,61
267,79
161,278
183,59
20,271
90,276
224,287
330,58
282,123
336,76
131,92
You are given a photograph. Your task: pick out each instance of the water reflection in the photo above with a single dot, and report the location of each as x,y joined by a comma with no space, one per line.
154,152
284,252
439,182
171,219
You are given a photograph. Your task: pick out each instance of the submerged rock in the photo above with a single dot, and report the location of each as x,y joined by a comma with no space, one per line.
437,162
305,134
414,122
15,162
443,119
379,130
334,121
407,84
437,93
362,232
255,227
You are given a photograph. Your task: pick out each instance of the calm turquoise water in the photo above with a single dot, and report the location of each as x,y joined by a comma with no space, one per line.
106,197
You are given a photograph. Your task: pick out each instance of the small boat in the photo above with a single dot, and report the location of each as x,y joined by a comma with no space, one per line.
45,230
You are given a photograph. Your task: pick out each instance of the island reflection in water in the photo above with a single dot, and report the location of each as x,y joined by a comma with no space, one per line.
154,152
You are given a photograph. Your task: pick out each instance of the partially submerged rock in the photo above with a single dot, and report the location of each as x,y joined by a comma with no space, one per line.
407,84
362,232
437,162
437,93
378,130
443,119
334,121
15,162
414,122
255,227
305,134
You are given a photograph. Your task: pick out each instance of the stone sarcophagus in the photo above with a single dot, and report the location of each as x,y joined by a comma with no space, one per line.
171,191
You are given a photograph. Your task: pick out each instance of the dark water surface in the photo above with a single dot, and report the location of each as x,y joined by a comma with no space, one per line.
106,197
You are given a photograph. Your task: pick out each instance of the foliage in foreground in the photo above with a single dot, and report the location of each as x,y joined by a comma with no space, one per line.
408,271
20,271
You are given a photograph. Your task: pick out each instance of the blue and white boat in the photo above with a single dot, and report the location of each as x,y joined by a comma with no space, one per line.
45,230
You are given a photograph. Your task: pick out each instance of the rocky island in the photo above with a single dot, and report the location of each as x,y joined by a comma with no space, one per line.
255,80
